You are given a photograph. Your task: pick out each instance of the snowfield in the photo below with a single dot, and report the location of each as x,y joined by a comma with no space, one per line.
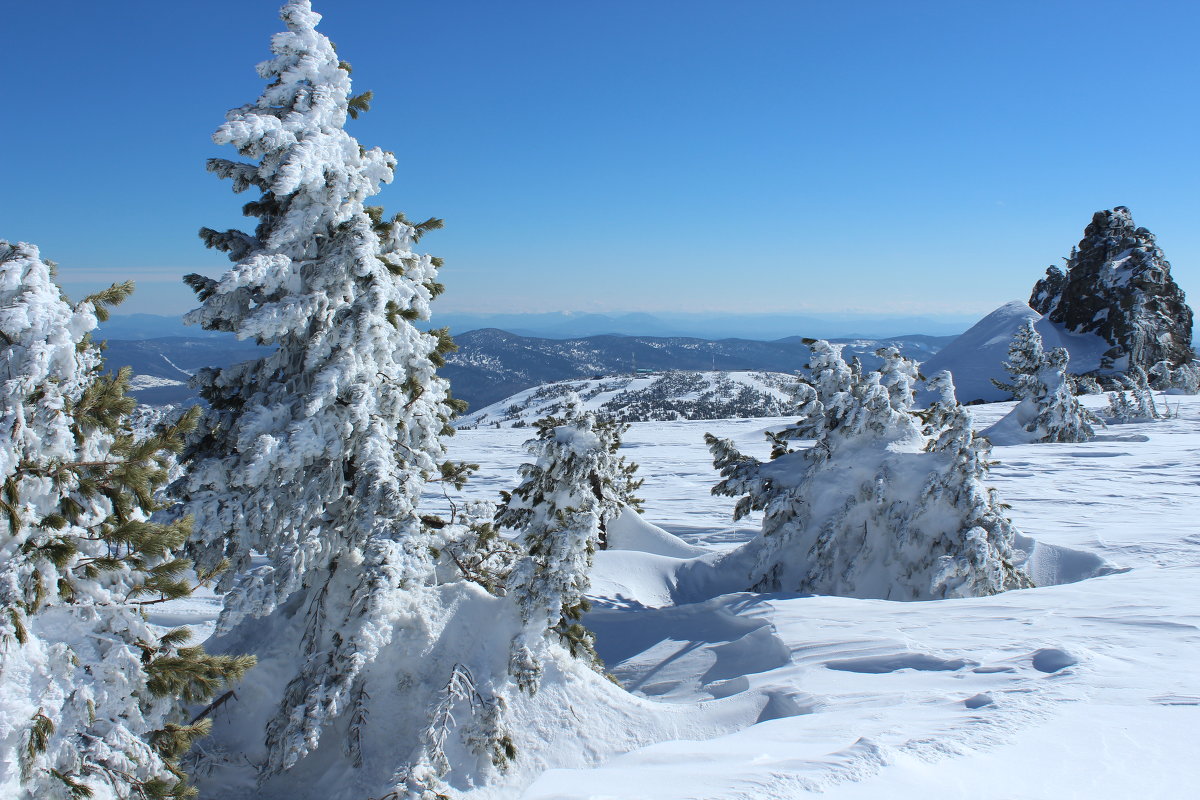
1083,689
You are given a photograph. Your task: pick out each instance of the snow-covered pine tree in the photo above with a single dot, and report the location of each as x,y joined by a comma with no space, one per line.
315,455
973,556
829,375
1049,411
880,506
1085,384
577,484
898,375
1059,415
1134,402
1120,409
91,693
942,410
1025,359
1184,379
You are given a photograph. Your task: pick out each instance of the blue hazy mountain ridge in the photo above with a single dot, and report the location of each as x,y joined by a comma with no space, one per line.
151,326
492,364
568,325
175,359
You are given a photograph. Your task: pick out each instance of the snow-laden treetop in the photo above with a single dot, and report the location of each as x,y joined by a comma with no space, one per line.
296,129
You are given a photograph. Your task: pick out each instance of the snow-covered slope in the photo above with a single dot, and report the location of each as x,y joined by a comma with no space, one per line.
659,396
1081,689
975,357
1084,687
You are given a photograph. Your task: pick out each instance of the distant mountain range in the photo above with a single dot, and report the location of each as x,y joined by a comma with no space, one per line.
493,364
162,366
569,325
572,325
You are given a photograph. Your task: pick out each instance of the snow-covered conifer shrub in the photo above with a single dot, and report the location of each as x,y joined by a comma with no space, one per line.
1135,401
1183,379
576,485
1085,384
1049,411
91,694
884,503
1059,415
1025,359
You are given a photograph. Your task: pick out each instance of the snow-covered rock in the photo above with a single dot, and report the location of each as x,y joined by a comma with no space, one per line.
1118,285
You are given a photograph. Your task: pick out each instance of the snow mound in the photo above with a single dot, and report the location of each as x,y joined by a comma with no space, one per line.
1053,565
630,531
1010,429
976,357
641,567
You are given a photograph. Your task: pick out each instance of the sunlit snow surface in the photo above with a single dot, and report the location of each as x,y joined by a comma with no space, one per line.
1081,690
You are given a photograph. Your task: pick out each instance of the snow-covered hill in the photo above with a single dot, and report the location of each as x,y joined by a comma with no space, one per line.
660,396
975,357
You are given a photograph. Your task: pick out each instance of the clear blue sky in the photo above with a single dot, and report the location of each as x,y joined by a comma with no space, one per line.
774,155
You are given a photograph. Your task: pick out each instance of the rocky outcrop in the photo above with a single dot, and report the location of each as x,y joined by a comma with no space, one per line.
1118,285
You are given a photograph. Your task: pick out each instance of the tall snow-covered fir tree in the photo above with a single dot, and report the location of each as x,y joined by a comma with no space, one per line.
91,694
383,668
881,505
568,495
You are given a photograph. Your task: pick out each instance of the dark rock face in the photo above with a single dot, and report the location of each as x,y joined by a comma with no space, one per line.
1118,285
1048,290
